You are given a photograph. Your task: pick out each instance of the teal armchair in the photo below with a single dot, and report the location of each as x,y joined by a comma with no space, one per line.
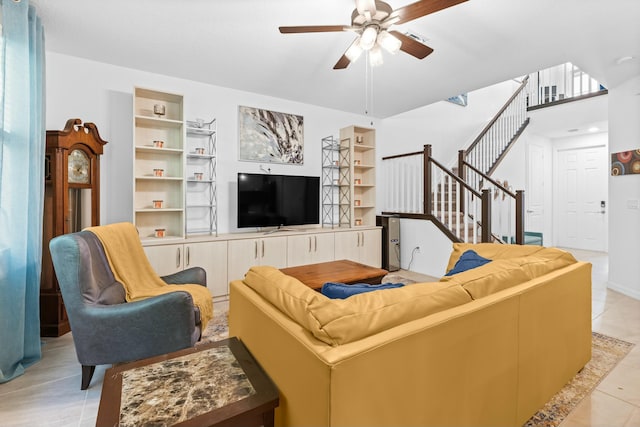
106,329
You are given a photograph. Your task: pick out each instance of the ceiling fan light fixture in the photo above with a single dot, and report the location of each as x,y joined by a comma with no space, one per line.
354,51
390,43
375,56
368,37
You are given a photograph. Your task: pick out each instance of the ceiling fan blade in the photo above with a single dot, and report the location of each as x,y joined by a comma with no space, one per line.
420,8
313,29
342,63
412,46
366,6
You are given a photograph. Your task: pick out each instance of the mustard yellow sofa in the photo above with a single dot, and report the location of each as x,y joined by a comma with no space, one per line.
485,347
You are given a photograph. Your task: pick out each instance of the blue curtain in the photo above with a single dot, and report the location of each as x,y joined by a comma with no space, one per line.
22,144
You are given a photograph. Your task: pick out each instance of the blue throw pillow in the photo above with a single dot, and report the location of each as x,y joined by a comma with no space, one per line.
342,291
468,260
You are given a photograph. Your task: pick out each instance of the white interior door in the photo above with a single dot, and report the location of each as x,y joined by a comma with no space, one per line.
582,198
534,197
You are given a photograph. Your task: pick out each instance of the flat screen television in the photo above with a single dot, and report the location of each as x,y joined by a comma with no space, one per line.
277,200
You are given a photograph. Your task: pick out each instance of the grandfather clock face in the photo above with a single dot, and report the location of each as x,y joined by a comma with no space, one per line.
80,191
79,166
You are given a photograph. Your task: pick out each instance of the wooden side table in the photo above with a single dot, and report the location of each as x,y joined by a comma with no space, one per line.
214,384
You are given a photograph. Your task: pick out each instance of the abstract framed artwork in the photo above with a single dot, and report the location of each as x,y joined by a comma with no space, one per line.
270,136
625,163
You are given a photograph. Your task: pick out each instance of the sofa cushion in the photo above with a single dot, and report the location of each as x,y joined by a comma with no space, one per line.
287,293
490,278
339,321
491,251
467,261
362,315
509,271
342,290
545,261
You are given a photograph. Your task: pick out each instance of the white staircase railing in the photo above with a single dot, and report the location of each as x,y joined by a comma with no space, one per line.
486,151
404,183
560,83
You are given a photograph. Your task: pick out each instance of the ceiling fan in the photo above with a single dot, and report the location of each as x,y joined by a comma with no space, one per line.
371,20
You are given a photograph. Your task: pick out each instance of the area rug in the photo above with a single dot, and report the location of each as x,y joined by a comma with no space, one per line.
217,328
605,354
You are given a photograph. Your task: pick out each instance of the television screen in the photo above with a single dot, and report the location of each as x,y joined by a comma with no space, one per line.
277,200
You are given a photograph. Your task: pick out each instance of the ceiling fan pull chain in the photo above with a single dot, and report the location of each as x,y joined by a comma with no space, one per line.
366,84
368,89
371,100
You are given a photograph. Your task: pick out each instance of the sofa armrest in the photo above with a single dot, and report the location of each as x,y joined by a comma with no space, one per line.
134,330
196,275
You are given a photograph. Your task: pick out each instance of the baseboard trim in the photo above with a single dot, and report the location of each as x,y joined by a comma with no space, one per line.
633,293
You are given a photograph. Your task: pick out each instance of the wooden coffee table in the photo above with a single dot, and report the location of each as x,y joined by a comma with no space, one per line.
213,384
343,271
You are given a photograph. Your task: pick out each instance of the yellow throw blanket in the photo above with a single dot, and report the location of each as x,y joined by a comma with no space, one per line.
131,267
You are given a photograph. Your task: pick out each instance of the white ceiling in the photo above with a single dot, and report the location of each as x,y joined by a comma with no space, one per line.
236,44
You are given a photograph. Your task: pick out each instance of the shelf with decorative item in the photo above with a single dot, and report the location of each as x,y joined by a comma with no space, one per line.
193,131
201,206
357,166
200,156
149,221
159,210
150,149
159,105
149,121
195,180
158,178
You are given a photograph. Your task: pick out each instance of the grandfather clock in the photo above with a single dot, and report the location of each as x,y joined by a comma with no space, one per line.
71,203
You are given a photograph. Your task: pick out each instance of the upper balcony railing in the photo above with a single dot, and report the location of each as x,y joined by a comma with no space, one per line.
561,83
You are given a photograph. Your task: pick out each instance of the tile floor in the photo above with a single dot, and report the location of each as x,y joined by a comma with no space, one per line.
49,394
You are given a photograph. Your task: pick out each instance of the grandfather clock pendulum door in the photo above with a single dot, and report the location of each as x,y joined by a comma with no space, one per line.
71,203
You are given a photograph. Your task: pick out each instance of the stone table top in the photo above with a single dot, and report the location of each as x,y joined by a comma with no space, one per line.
175,390
213,382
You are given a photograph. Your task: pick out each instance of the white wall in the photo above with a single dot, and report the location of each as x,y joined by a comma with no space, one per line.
624,222
102,94
435,247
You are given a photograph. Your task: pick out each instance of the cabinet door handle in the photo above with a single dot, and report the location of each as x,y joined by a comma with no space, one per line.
187,257
315,243
362,237
255,249
263,249
178,258
358,240
309,243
